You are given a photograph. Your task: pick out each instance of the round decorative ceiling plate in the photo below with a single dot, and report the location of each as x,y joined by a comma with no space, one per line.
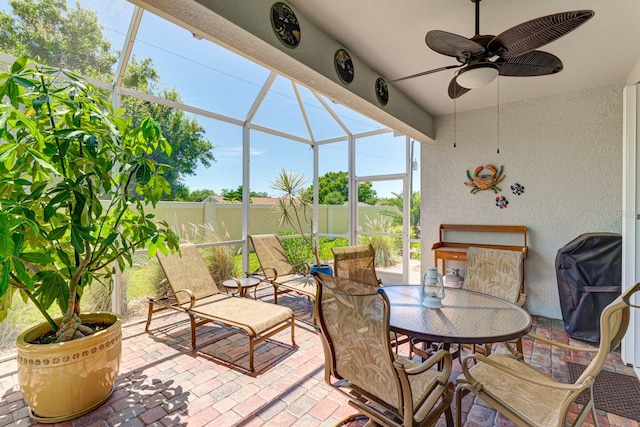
344,66
382,92
285,24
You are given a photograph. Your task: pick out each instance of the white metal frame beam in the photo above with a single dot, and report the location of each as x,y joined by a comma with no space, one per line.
246,165
630,351
116,99
118,91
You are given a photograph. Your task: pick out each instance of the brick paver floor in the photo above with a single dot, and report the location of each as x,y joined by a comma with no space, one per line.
163,383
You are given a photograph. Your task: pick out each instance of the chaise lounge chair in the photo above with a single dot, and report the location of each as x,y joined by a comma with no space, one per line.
277,269
195,293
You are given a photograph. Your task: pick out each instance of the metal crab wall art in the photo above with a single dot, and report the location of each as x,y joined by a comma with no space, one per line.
490,181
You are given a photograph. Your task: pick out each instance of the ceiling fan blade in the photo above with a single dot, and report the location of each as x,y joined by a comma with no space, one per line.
454,45
534,63
455,90
532,34
424,73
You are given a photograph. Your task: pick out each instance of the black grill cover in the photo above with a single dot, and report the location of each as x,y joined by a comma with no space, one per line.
589,271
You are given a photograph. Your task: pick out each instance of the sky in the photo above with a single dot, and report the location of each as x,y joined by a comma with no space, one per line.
212,78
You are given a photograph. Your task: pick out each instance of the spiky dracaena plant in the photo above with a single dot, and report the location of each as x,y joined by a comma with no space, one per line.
63,149
295,207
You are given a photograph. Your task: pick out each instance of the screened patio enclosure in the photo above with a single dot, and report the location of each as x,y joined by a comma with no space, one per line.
258,122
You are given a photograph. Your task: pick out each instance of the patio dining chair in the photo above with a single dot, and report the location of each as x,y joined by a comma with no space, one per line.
496,272
194,292
389,389
530,397
358,263
277,269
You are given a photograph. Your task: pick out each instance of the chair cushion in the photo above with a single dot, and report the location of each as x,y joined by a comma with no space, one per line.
539,405
495,272
305,285
421,384
253,316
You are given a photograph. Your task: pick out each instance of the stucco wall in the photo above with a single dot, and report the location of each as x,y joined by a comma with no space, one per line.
566,150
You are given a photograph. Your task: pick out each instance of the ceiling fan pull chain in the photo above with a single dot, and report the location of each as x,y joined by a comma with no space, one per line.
498,114
454,122
477,2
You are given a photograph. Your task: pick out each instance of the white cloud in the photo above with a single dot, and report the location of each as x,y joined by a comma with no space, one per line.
226,152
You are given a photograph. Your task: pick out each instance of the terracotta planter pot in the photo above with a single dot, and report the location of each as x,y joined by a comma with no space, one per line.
62,381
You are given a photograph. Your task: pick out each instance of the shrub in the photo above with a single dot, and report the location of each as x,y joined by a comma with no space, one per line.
64,147
200,233
385,250
220,260
415,251
297,249
98,298
326,245
221,263
384,246
143,280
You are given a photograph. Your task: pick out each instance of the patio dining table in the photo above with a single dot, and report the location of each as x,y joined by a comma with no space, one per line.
465,316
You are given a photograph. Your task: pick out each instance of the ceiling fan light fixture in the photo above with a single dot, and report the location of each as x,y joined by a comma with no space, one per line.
477,75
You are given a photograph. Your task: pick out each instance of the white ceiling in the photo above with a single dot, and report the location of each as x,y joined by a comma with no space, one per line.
390,37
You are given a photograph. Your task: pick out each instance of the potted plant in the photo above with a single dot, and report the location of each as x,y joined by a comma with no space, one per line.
295,207
75,179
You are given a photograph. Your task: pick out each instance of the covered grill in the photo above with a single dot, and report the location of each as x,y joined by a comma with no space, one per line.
589,272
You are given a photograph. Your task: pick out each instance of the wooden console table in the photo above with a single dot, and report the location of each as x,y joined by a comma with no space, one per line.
457,251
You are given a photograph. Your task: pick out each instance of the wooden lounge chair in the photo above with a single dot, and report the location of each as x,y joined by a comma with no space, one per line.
390,389
530,397
277,269
195,293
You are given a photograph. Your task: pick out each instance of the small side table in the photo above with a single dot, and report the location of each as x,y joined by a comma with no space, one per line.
244,284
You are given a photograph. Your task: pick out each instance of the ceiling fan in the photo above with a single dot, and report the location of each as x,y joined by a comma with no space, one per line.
511,53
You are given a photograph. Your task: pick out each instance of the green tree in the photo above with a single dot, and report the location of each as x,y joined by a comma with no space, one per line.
200,195
62,145
334,198
236,195
258,194
72,38
366,193
396,214
232,195
185,134
61,36
332,182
